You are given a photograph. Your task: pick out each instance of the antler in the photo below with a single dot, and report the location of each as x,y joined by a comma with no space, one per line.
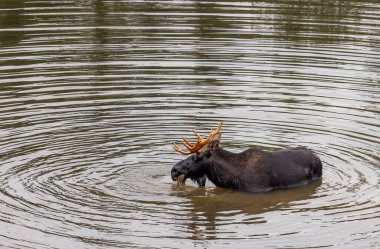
195,148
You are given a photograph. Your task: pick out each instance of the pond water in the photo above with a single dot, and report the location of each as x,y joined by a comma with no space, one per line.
93,93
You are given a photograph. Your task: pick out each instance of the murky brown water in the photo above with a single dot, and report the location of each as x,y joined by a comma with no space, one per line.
92,94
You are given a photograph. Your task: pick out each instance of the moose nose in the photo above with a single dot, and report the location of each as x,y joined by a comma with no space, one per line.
174,174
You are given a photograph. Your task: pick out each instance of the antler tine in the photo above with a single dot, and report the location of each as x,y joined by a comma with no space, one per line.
219,127
186,143
176,148
213,133
199,137
210,135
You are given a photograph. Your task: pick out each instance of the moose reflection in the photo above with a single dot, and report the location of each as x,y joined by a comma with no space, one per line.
252,170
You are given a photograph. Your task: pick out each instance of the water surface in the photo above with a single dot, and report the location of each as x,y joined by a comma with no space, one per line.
93,93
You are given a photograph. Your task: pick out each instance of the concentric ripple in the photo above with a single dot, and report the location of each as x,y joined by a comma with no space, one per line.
92,94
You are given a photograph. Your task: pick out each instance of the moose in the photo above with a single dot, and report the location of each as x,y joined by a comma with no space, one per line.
253,170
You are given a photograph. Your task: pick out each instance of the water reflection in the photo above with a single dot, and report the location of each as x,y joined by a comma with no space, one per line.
211,209
224,201
12,15
327,21
99,53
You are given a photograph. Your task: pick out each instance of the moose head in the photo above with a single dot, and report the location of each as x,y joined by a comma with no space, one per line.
195,166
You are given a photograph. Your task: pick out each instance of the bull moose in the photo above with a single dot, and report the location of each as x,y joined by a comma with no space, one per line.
252,170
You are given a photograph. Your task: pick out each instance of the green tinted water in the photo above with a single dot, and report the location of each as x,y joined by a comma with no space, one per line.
93,93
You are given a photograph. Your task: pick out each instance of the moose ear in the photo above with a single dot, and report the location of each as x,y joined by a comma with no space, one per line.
214,143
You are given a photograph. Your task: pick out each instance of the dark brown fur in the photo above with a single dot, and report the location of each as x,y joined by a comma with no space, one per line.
253,170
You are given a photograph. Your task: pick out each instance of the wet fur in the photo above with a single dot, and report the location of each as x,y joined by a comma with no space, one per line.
253,170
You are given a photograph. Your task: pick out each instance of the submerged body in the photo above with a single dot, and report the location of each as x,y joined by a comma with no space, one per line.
253,170
256,170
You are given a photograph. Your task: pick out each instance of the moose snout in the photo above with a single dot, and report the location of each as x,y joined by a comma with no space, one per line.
177,171
174,174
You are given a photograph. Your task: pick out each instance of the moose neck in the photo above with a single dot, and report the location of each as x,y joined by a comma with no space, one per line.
222,167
